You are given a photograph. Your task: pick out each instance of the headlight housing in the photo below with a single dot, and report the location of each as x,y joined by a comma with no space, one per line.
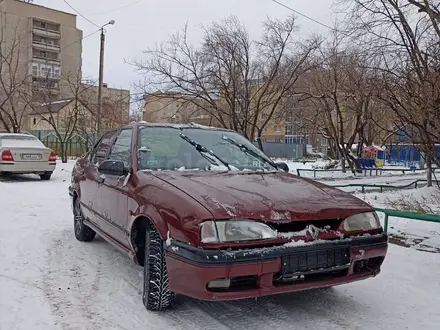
362,222
235,230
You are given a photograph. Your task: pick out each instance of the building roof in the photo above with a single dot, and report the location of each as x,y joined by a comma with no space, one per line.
53,107
44,7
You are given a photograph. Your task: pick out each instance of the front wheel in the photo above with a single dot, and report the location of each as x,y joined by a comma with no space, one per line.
82,232
157,295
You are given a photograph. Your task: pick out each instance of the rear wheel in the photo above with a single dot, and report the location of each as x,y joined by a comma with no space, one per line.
157,295
82,232
46,176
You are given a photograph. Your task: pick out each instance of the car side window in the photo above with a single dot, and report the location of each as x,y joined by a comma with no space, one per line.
121,149
101,151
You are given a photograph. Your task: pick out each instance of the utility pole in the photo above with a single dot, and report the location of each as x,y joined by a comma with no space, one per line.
101,77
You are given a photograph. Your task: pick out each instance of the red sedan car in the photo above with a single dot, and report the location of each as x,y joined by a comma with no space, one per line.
210,216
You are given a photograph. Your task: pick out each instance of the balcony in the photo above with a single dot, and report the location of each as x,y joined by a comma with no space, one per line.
46,32
43,86
45,46
41,59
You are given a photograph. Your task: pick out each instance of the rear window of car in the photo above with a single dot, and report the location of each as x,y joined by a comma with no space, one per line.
20,141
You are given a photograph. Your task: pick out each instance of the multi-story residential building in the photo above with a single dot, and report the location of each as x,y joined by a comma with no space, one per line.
115,104
115,110
44,45
174,108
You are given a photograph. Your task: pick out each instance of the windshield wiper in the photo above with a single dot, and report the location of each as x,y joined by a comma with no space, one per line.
249,151
203,150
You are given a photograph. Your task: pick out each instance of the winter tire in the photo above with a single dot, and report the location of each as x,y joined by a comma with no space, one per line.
46,176
82,232
157,295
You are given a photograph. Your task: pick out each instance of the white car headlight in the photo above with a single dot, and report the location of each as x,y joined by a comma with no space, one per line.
237,230
362,222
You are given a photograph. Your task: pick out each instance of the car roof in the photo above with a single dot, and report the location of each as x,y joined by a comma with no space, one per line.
177,126
16,134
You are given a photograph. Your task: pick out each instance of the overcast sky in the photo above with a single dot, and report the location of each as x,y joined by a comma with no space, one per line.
143,23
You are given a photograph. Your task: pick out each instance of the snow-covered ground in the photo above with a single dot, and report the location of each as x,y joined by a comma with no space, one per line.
417,234
48,280
307,167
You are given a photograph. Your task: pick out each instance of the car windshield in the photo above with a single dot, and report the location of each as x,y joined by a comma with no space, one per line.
192,149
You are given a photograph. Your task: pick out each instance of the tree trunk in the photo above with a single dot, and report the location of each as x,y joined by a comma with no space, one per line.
260,143
63,152
344,169
429,168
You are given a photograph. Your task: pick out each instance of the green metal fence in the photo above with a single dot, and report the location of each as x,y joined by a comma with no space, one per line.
381,187
407,215
73,148
364,172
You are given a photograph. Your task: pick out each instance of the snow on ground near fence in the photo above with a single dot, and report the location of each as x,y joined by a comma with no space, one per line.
321,164
417,234
48,280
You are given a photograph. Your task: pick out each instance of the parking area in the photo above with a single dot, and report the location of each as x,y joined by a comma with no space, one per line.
48,280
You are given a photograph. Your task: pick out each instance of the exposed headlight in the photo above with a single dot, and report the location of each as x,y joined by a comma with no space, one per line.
362,222
237,230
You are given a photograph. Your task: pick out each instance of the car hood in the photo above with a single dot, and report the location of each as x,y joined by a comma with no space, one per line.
276,196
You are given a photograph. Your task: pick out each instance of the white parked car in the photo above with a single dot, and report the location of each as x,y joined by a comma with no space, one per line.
25,154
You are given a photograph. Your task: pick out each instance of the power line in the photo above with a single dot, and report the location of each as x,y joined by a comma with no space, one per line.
117,8
76,11
89,35
301,14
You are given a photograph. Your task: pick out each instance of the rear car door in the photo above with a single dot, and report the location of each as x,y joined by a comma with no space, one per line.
113,191
91,180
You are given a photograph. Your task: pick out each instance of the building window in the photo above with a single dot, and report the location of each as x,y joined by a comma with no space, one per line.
278,129
34,121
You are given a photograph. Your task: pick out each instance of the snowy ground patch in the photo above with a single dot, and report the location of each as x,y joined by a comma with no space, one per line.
418,234
333,170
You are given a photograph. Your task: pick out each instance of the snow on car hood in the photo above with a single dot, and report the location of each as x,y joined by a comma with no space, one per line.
268,196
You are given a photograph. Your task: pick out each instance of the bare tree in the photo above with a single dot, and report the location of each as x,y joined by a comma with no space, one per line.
114,113
405,36
15,80
341,101
239,83
60,116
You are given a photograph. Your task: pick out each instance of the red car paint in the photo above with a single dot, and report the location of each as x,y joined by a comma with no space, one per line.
265,272
177,203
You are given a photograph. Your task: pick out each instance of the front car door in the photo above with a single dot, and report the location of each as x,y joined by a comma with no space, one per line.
113,191
89,185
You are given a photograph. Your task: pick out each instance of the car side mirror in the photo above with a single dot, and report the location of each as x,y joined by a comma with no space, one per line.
283,166
113,167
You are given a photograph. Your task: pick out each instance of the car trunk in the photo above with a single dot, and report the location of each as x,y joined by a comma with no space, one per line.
30,154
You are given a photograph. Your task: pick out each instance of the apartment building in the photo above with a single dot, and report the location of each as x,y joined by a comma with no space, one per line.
174,108
115,110
44,45
180,109
115,103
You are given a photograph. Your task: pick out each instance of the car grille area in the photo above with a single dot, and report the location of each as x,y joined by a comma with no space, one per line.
314,261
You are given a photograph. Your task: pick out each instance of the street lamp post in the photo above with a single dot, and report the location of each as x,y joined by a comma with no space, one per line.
101,76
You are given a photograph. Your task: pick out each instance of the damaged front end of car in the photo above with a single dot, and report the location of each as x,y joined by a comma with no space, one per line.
239,258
